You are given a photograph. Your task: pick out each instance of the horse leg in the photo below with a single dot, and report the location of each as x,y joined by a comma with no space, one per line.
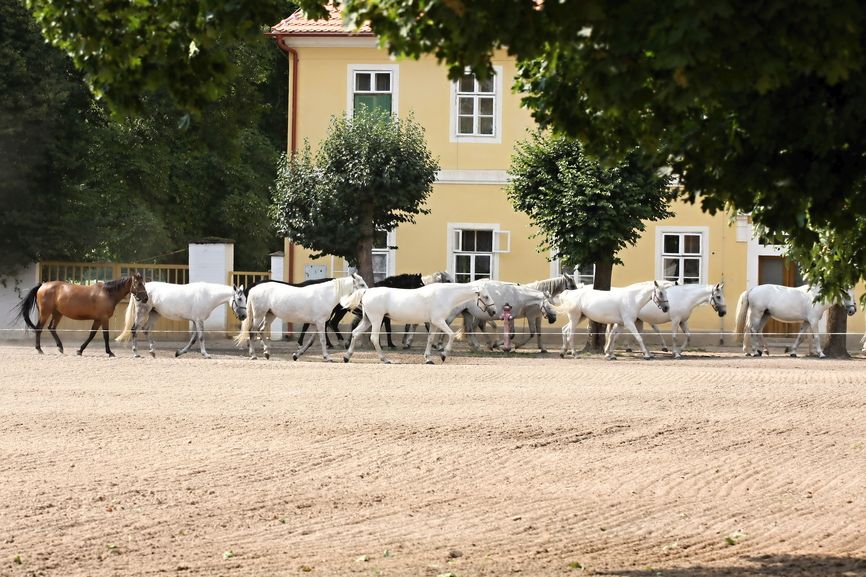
334,322
468,328
363,325
200,325
610,341
374,338
391,344
443,326
193,337
264,331
105,337
52,328
323,341
816,333
408,335
151,320
538,324
303,334
759,334
803,327
431,337
90,338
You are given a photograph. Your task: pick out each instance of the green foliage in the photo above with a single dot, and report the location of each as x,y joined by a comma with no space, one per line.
129,50
78,184
371,171
586,212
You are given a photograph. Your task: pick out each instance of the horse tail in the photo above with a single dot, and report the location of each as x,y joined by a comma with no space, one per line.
244,336
353,300
27,305
128,321
742,311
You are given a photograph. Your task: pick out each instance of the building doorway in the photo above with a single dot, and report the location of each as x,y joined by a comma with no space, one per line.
779,270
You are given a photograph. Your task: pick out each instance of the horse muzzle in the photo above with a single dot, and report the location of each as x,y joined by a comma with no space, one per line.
491,310
665,308
851,311
722,312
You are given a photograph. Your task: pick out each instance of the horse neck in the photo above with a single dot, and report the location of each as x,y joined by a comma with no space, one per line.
122,292
460,292
344,286
222,293
643,293
691,295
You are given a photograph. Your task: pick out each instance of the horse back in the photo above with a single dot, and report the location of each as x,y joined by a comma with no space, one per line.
78,302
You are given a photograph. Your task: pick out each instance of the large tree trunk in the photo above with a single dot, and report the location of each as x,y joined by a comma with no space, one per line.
837,327
596,336
364,254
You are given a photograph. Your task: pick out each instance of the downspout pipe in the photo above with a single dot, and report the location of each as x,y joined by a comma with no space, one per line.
292,55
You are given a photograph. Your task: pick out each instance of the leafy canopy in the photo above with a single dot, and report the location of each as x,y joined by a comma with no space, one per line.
758,106
585,211
371,171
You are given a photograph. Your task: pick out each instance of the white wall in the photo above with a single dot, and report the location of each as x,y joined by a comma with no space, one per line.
212,262
277,270
12,290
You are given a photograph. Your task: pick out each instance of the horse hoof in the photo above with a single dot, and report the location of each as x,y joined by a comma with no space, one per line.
152,354
110,355
136,356
78,353
822,356
207,356
610,357
677,356
40,351
562,355
294,356
758,354
176,354
329,360
345,359
428,362
442,356
665,349
267,356
628,349
542,351
793,355
407,346
648,357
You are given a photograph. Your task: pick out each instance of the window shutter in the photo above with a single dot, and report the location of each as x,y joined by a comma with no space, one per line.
501,241
458,240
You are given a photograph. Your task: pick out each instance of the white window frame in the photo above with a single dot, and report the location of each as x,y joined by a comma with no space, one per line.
496,137
501,244
702,231
352,69
390,253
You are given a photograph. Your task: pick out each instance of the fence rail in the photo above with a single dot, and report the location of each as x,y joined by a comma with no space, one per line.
87,273
246,279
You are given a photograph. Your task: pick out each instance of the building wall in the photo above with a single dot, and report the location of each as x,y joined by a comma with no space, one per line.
471,184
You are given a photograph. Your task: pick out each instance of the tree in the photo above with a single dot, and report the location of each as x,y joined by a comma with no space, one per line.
79,184
372,171
758,106
586,212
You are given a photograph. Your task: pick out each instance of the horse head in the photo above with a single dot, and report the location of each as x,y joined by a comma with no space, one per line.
849,302
137,289
442,276
570,282
717,299
239,302
485,301
358,282
660,297
547,309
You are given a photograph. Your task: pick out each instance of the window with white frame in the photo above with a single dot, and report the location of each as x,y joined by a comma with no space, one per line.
374,87
474,252
476,114
382,254
683,256
584,273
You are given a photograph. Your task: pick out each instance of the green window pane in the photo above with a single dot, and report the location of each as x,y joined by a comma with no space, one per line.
485,125
383,82
482,266
485,106
465,106
373,102
465,125
672,244
691,244
362,82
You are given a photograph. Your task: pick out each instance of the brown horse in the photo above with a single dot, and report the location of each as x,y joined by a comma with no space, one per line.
58,299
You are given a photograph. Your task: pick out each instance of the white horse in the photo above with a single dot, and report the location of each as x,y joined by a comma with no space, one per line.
180,302
431,303
683,299
525,303
619,308
309,304
802,304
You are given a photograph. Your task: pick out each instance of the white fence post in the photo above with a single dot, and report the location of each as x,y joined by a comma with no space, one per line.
277,260
12,290
212,262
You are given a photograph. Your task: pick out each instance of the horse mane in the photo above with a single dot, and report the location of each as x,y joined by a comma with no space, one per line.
551,285
405,280
113,287
298,284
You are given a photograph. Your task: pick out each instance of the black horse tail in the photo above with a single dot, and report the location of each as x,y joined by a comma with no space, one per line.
27,305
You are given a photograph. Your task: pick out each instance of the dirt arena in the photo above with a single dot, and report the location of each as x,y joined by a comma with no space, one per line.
713,466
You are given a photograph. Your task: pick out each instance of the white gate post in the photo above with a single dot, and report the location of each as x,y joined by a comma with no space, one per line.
212,262
12,290
277,260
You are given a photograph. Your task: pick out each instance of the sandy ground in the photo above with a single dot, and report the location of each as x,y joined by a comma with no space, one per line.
713,466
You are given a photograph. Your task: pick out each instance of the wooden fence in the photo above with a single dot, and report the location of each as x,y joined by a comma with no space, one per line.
245,279
92,272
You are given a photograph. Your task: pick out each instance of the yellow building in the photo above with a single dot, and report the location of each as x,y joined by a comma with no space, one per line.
472,127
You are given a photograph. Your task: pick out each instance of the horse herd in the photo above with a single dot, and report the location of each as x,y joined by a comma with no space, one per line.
433,300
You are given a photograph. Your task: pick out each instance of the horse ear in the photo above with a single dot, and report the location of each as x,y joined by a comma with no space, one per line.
655,282
240,288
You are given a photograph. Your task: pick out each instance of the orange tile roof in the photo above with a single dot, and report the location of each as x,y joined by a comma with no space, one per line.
299,25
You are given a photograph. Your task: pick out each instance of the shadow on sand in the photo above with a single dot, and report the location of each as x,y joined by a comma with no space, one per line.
764,566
